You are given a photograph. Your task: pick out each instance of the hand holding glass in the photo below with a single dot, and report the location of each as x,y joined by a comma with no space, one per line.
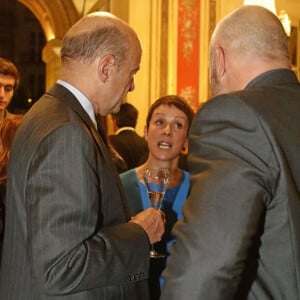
156,181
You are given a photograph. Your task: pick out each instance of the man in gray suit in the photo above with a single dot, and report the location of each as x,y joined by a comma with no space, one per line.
240,236
68,234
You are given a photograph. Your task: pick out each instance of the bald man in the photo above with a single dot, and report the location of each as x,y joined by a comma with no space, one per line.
68,234
240,236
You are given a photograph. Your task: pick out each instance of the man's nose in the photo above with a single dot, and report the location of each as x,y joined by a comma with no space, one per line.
2,91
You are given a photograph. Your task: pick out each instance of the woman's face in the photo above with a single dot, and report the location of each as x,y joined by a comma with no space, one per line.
167,134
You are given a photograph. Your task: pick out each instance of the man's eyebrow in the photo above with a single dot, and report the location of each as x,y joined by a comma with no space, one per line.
7,85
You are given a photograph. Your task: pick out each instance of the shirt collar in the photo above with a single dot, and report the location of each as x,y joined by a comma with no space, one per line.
83,100
124,128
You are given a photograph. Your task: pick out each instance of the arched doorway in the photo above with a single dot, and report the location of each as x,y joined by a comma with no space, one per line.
55,18
22,40
30,35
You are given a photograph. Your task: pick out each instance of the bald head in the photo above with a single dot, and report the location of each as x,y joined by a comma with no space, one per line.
98,33
100,56
254,29
249,36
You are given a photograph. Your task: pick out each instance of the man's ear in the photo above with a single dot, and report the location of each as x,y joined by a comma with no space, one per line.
106,67
221,60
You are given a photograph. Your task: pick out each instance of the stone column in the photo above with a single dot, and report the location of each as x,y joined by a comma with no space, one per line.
51,57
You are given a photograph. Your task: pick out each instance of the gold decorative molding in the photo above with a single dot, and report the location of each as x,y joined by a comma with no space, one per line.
55,16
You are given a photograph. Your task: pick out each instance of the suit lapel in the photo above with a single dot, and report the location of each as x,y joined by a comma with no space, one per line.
70,100
64,95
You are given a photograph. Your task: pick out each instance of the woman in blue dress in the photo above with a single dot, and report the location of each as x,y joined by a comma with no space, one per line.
166,132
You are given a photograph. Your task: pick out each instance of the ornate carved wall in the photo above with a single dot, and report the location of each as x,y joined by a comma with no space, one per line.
188,56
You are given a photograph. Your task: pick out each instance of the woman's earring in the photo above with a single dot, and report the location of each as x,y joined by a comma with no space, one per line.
184,150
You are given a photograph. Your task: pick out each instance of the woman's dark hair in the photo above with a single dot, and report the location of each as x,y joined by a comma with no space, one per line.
169,100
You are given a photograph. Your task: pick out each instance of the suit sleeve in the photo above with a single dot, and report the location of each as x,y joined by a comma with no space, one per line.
231,186
75,238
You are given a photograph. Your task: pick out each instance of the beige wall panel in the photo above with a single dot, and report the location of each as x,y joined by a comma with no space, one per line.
144,18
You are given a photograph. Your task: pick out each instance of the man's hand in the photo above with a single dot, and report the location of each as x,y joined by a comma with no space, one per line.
153,222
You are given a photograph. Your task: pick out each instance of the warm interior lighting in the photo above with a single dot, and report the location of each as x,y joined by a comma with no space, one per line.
286,22
270,4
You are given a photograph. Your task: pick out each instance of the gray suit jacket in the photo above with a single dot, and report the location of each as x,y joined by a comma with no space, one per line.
66,232
240,237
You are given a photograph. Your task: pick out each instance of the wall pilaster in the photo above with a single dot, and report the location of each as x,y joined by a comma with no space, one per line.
51,57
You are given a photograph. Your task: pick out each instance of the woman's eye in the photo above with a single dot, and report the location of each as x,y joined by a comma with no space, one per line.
159,122
179,125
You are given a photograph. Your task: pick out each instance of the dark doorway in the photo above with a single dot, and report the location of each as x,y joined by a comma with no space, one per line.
22,40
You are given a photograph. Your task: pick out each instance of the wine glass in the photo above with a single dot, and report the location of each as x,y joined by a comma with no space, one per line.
156,181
